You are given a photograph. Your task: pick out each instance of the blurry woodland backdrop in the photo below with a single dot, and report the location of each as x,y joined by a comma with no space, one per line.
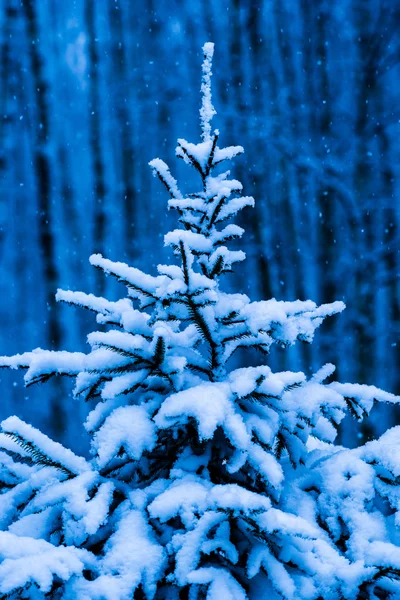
91,90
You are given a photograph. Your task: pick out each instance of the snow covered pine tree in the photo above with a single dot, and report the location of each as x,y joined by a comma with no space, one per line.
205,482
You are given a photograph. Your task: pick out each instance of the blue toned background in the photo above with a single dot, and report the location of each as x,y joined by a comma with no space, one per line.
91,90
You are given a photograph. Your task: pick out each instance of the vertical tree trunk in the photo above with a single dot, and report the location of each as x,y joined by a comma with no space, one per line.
125,124
42,169
8,70
99,185
262,214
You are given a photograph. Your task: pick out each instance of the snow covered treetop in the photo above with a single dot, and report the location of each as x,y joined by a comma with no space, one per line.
187,323
206,481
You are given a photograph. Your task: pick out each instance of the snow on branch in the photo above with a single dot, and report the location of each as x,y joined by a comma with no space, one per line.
33,441
41,364
34,562
207,110
161,169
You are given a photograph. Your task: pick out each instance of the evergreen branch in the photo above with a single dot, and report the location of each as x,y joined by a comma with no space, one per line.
191,226
117,350
127,283
356,410
92,391
194,367
121,369
216,212
279,446
158,373
166,302
227,320
165,182
192,160
89,308
184,263
159,353
217,268
239,336
293,386
209,165
19,458
228,238
200,323
261,397
42,378
133,388
38,456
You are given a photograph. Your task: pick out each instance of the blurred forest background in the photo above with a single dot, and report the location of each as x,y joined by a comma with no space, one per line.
91,90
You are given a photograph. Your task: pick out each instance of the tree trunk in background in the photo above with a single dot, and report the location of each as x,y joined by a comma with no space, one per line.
99,186
262,235
123,105
43,168
8,76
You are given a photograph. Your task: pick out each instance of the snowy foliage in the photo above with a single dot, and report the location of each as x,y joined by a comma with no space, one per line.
205,481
